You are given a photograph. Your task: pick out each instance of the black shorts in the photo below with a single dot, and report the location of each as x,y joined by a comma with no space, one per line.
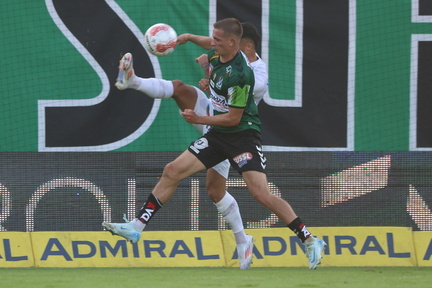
242,149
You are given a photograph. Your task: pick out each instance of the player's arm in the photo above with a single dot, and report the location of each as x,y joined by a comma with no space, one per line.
232,118
236,105
204,64
202,41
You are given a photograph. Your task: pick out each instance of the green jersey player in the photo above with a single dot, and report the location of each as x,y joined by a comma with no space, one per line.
231,85
235,136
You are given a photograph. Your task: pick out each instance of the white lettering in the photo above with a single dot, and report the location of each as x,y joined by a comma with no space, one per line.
146,216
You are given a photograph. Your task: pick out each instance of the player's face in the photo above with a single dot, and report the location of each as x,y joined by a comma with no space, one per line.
221,42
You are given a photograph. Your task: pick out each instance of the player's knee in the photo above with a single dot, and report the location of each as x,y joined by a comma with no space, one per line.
263,197
215,194
171,171
178,85
215,186
183,95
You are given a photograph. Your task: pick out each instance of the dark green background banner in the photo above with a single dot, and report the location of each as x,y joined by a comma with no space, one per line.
343,75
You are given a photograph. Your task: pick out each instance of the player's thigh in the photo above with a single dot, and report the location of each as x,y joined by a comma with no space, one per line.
183,166
184,95
257,185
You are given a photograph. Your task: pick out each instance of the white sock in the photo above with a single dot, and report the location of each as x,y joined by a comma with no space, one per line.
153,87
229,209
138,224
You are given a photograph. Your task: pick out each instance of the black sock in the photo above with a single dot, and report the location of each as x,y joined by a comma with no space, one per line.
149,209
299,229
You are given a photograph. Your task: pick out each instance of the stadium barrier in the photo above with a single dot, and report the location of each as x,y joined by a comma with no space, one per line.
347,246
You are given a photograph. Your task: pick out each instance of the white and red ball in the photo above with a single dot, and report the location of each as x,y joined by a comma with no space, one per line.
160,39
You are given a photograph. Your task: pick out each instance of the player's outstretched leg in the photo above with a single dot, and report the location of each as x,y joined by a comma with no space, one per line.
314,249
245,252
126,230
126,72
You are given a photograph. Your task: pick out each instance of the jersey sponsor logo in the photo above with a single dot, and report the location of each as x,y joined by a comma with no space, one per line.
219,83
219,102
242,159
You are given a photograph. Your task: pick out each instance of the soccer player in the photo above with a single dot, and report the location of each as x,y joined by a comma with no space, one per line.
216,179
234,135
217,175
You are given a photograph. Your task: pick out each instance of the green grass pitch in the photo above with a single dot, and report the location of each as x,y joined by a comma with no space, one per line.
352,277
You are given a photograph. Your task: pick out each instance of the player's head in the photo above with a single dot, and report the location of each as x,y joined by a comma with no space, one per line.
230,26
226,36
250,35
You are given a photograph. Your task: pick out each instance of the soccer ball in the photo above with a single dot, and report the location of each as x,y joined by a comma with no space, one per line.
160,39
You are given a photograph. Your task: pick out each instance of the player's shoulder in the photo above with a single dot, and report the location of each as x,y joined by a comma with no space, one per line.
243,63
237,71
241,67
212,55
258,64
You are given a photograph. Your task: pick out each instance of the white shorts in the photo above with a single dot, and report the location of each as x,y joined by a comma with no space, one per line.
204,107
223,168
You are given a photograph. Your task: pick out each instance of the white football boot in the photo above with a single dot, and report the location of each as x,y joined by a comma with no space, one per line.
126,230
245,252
314,249
126,72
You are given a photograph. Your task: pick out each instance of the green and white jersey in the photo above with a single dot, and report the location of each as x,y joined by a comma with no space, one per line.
231,85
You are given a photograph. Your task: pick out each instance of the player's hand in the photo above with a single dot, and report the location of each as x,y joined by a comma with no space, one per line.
202,60
183,39
204,84
190,116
